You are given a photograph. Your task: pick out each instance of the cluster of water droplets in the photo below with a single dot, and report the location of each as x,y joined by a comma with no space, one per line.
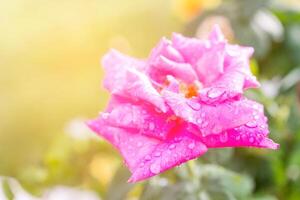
160,159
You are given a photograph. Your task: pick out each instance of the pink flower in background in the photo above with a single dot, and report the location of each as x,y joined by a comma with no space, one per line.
185,98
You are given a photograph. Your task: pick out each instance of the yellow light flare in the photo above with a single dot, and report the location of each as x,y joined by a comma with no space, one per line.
188,9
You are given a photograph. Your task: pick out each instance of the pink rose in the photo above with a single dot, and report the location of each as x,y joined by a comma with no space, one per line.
185,98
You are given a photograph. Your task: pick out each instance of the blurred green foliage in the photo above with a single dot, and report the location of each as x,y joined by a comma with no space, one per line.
49,76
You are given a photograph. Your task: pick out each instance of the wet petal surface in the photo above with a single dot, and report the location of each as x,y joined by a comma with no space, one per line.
186,97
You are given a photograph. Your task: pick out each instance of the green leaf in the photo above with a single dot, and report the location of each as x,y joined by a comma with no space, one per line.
216,178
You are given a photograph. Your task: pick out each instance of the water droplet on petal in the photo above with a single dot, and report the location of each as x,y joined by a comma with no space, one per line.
199,120
236,112
104,115
172,146
145,126
157,154
217,129
194,105
202,114
255,106
158,110
224,137
127,119
155,168
147,157
151,126
139,144
142,164
251,139
251,124
204,133
238,137
204,124
244,137
256,117
191,145
214,93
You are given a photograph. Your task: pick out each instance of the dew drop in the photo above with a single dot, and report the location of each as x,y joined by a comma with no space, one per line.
256,117
244,137
204,124
238,137
214,93
105,115
191,145
204,133
251,124
151,126
194,105
145,126
139,144
236,112
255,106
158,110
202,114
251,139
155,168
142,164
172,146
157,154
127,119
217,129
199,121
224,137
147,157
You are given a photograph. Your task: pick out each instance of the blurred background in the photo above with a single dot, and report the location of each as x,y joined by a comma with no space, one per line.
50,83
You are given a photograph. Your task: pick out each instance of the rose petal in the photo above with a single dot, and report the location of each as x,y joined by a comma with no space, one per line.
252,134
210,119
216,35
131,145
219,66
190,48
146,157
230,124
165,49
162,66
210,65
237,57
141,119
170,153
123,78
